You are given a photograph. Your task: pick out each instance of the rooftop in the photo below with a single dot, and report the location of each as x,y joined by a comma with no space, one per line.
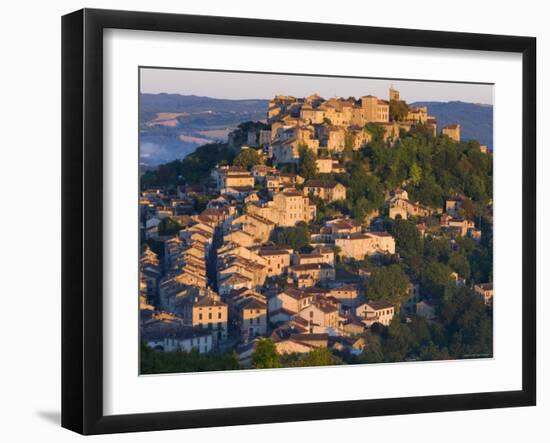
329,184
379,304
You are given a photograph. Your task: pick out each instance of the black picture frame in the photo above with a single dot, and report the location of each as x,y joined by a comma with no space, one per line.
82,218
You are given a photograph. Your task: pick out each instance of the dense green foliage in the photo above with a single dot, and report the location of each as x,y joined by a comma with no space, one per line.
464,331
376,132
388,283
155,362
365,192
265,355
168,226
192,169
407,238
430,261
296,237
433,168
307,166
398,110
317,357
247,158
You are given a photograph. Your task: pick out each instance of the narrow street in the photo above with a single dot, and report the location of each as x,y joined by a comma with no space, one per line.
211,262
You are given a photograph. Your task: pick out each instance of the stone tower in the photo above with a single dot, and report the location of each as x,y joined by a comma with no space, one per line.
394,94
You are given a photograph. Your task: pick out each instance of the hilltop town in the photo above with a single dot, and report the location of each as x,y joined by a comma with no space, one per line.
321,235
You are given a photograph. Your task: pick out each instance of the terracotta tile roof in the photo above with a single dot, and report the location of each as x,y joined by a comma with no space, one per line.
329,184
379,304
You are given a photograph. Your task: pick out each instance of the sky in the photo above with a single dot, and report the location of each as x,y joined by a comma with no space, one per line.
239,85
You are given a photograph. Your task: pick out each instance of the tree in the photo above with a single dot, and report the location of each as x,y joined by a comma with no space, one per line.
296,237
398,110
388,283
377,132
416,174
307,162
349,142
168,226
436,280
160,362
317,357
247,158
362,183
399,341
468,324
265,355
361,209
373,352
192,169
407,238
460,264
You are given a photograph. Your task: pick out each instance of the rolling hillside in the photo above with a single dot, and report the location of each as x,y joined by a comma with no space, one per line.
476,120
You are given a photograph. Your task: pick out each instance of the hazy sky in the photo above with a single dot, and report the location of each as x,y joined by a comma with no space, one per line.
238,85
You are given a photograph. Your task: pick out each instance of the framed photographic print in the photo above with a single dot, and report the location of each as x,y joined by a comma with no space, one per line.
271,221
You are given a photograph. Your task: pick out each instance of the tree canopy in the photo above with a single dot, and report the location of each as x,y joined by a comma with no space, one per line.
191,169
297,237
157,362
388,283
307,162
398,110
168,226
265,355
247,158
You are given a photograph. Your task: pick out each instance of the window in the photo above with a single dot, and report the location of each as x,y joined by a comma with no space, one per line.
219,315
200,316
209,316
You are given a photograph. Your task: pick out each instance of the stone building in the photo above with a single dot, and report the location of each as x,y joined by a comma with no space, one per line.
359,245
211,314
311,274
394,94
379,311
485,292
452,131
400,206
418,114
326,190
232,177
251,317
258,227
374,109
278,260
287,208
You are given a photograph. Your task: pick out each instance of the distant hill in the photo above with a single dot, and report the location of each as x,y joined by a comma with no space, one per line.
173,125
476,120
150,104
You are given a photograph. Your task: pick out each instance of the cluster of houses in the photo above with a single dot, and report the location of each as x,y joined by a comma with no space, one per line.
330,126
217,281
222,283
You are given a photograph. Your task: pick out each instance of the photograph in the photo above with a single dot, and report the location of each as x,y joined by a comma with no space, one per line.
292,220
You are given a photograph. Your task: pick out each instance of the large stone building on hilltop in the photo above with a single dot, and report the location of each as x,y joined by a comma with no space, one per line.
335,124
